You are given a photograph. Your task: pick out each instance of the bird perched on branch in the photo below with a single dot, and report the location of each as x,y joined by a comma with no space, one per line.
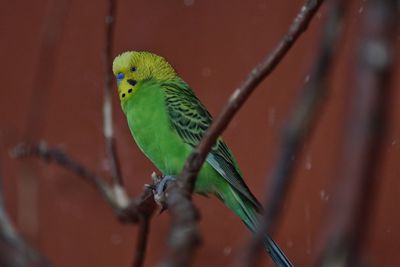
167,121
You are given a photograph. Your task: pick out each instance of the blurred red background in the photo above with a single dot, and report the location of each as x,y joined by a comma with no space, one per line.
213,45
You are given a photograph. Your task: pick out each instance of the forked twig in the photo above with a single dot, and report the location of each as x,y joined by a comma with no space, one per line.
128,211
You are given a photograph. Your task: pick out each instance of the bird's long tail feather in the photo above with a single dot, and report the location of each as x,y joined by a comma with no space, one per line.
247,212
276,253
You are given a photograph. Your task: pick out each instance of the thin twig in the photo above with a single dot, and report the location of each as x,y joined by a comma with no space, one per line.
184,237
362,148
137,210
108,131
130,211
14,251
300,126
141,245
52,27
241,94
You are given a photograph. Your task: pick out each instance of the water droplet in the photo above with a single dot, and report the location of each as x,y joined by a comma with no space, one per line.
308,164
324,196
188,2
116,239
227,251
206,72
377,54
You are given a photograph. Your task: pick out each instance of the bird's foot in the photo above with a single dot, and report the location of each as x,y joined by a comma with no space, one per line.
161,184
156,178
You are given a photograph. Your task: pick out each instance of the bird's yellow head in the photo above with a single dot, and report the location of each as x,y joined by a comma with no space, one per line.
132,68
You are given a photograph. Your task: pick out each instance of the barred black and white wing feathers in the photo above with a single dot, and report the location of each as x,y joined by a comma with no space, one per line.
191,119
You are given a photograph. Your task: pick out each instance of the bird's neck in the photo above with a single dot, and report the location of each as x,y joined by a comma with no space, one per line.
147,90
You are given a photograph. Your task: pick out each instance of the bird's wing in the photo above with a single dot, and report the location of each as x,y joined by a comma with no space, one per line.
191,119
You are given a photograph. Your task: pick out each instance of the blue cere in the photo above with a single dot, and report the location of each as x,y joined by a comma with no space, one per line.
120,76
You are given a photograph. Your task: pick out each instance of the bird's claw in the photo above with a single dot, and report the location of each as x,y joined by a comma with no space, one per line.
156,178
150,186
162,185
159,190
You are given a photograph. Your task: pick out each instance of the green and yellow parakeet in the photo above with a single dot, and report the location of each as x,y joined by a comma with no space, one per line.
167,121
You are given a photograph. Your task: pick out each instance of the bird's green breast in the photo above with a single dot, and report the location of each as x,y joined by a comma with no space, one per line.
149,122
150,126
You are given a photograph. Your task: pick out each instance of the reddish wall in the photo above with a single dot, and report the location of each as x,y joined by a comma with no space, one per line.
213,45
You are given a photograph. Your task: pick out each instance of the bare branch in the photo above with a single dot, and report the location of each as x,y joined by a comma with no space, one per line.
297,131
241,94
129,212
108,131
362,150
184,237
14,251
138,210
141,245
52,27
111,149
48,154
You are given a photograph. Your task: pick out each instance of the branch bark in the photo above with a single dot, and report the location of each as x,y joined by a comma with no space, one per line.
184,237
365,129
144,215
141,245
14,250
108,129
52,28
129,212
301,123
241,94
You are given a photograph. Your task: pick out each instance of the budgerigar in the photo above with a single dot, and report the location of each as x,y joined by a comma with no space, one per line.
167,121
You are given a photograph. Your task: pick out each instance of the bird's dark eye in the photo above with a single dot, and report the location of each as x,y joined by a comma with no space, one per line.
120,76
133,69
